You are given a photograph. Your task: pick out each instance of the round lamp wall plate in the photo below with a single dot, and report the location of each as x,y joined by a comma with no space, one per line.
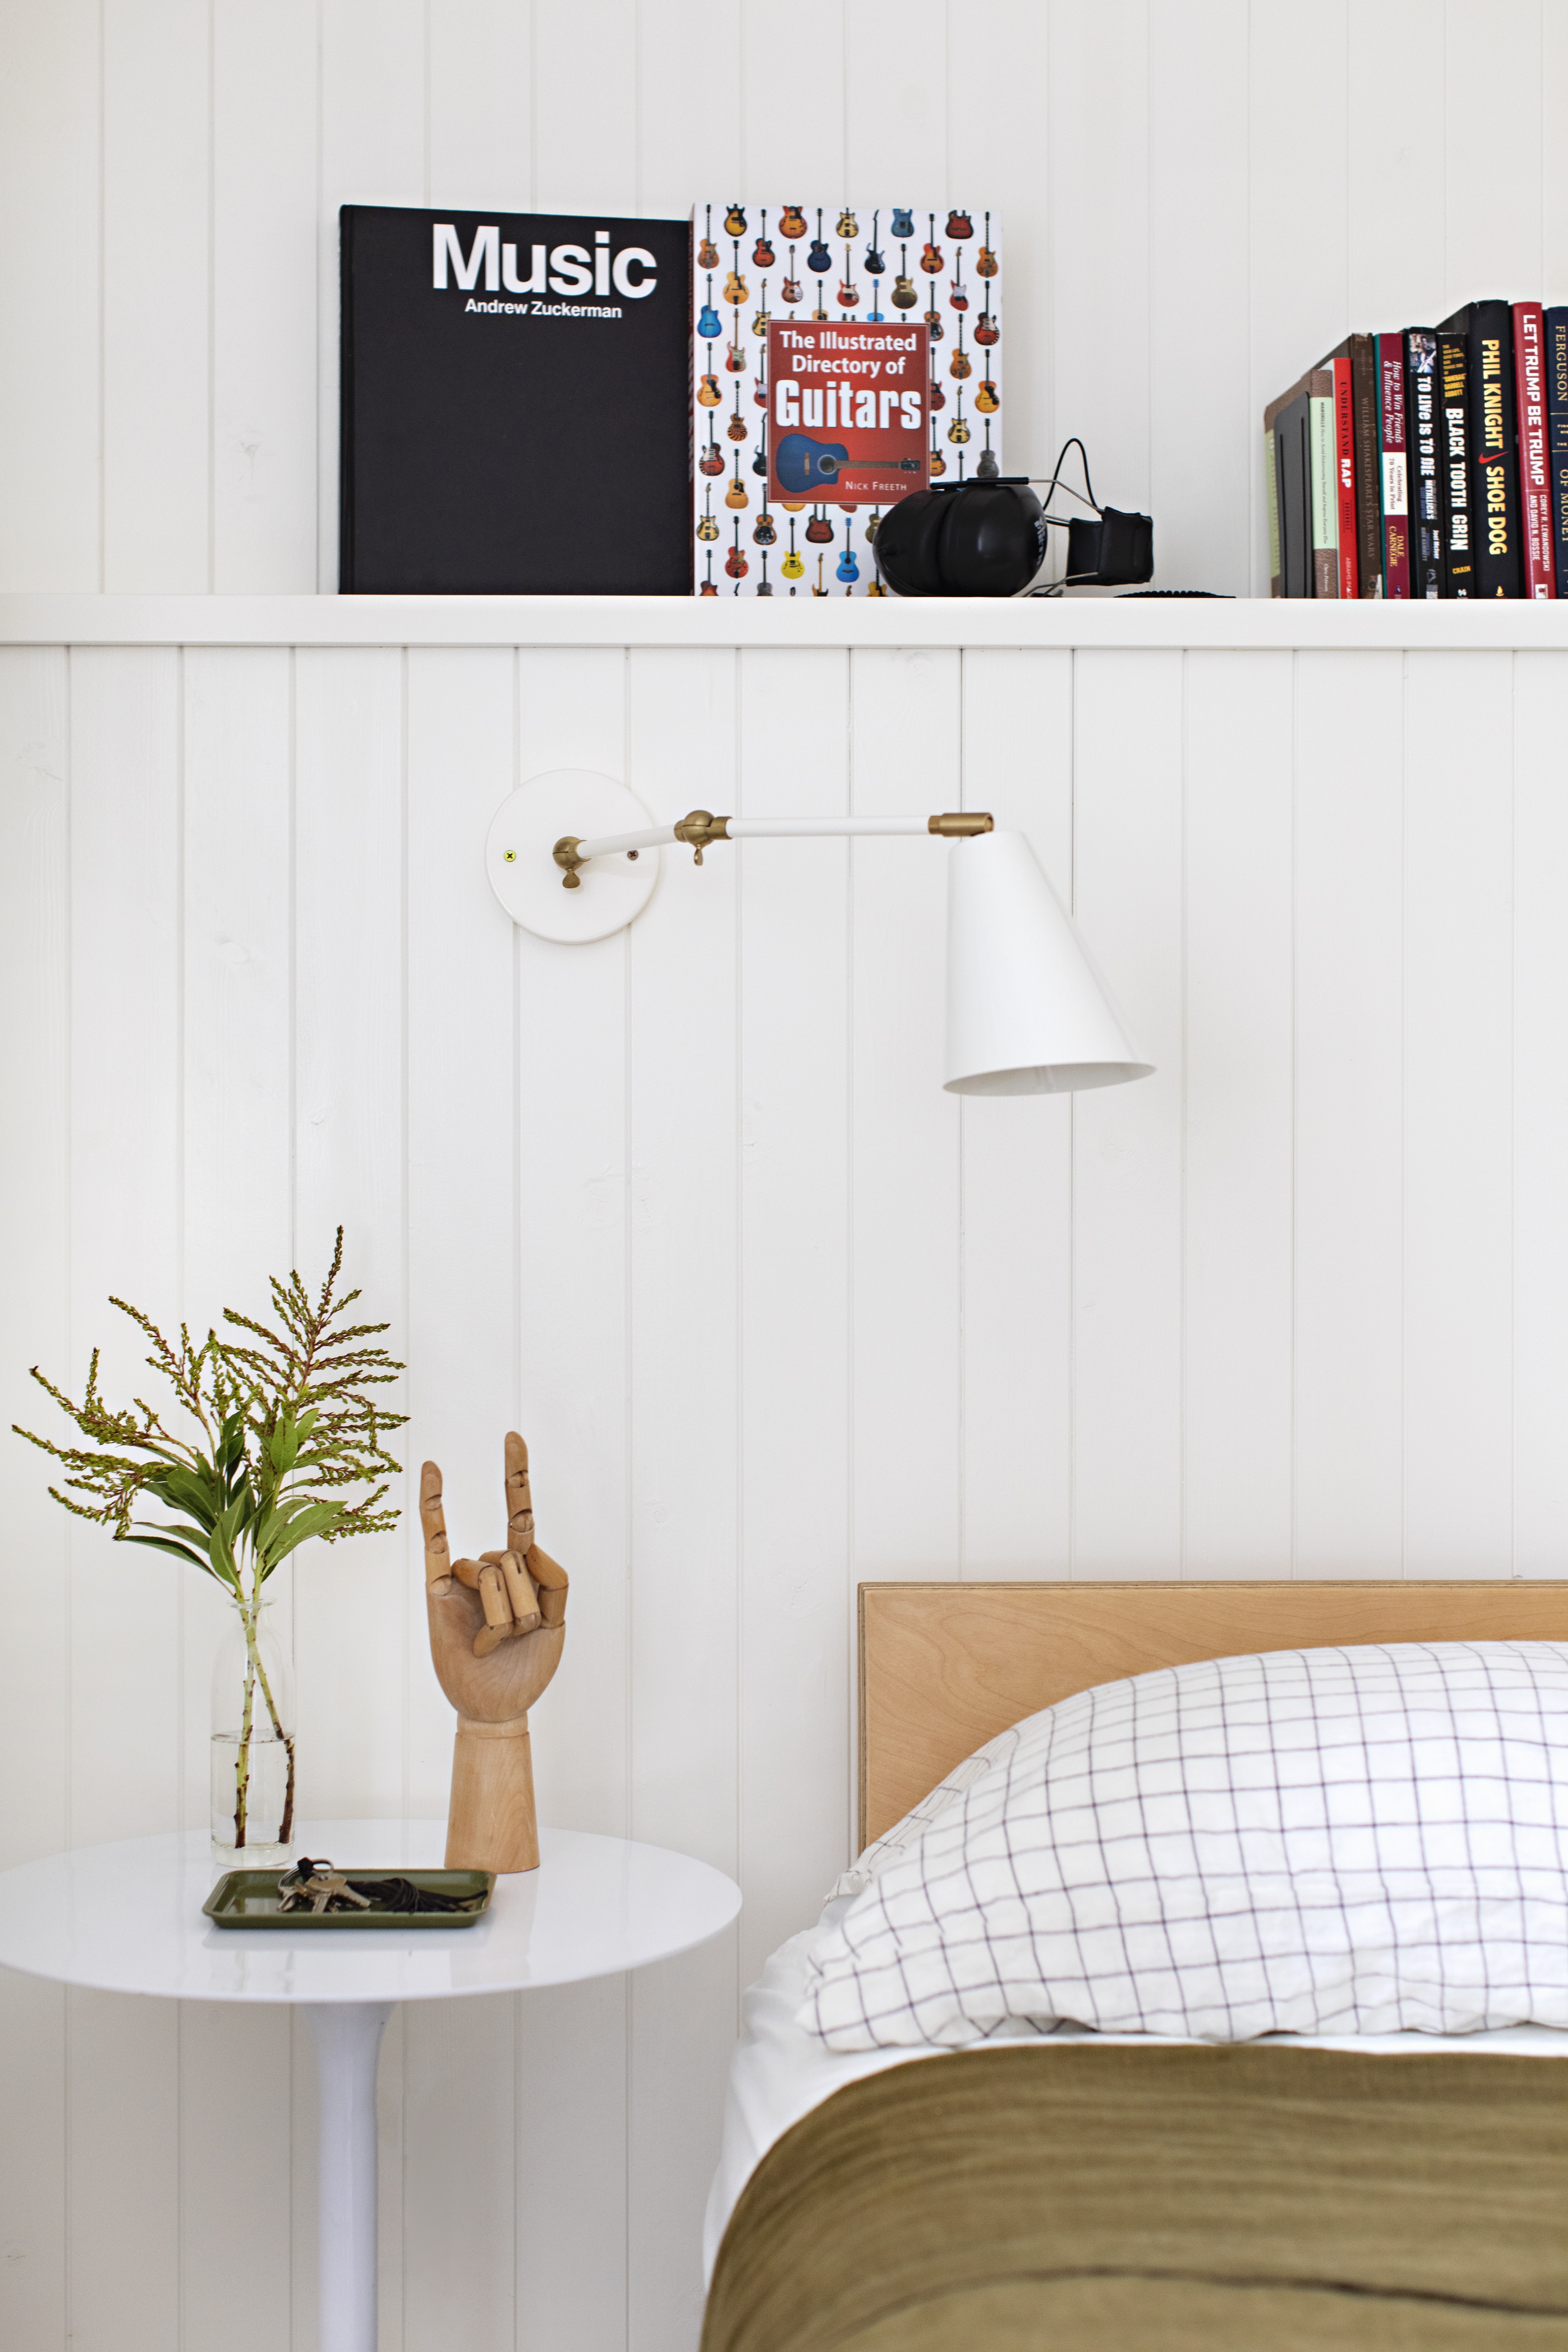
520,856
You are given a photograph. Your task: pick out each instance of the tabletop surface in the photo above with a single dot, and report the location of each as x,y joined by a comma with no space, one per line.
127,1918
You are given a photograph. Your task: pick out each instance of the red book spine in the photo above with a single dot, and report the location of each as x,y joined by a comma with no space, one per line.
1344,456
1534,471
1396,500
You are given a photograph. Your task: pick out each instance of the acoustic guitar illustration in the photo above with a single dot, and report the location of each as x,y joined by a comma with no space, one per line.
735,221
736,291
875,265
736,495
819,261
763,253
802,464
986,330
792,567
709,586
819,531
819,590
707,252
987,399
848,569
735,562
848,223
791,221
766,531
712,458
903,222
934,320
709,326
871,526
875,588
707,392
708,528
904,296
764,585
930,253
985,261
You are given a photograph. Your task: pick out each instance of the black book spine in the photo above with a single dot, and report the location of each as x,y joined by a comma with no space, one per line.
1426,488
1453,432
1494,453
345,405
1557,437
1368,465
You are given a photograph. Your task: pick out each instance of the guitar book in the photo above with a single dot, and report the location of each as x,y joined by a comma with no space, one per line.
843,356
514,406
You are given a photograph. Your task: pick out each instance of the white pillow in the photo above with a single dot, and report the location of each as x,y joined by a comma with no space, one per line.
1356,1841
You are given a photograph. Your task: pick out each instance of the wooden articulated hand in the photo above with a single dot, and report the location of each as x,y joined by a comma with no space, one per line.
497,1630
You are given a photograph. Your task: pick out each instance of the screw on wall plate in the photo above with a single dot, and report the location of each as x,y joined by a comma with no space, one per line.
633,854
510,855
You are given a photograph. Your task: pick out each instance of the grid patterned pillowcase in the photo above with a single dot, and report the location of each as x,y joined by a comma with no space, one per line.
1353,1841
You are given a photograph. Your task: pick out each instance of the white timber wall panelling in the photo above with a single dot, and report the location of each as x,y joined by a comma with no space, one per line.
173,171
690,1207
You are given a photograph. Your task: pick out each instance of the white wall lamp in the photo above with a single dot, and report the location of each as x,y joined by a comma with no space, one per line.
574,856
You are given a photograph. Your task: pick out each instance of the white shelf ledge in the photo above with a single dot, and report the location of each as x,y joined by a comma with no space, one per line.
860,622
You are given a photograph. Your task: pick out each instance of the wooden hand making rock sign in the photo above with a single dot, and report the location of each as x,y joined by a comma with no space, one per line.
497,1627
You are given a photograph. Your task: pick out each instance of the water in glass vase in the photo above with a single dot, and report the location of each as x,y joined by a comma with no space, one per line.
253,1807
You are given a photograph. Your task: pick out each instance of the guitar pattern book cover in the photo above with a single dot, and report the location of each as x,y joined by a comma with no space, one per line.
842,357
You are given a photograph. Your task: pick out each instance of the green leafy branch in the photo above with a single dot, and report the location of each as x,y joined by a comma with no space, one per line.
285,1419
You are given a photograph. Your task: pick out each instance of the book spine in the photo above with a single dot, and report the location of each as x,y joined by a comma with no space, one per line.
1421,430
1494,453
1271,495
1325,483
1396,499
1534,482
1344,476
1557,437
1454,444
1368,465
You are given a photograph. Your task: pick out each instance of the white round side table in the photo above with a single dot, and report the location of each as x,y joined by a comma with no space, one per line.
127,1918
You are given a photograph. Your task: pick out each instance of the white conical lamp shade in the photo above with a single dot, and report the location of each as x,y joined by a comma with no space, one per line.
1025,1010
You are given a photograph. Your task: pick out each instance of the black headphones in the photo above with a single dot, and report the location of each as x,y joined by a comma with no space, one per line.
976,538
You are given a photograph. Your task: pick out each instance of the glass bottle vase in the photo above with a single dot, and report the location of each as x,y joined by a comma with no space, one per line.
253,1810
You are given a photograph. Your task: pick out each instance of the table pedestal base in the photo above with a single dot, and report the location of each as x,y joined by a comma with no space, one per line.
348,2048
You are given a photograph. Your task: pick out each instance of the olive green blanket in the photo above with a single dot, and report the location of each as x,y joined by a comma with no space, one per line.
1167,2199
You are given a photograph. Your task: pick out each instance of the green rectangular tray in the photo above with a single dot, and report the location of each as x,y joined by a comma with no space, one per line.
250,1898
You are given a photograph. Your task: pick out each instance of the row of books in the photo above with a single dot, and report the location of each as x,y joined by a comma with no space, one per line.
1428,463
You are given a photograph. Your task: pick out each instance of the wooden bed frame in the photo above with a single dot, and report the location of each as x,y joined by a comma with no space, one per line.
944,1667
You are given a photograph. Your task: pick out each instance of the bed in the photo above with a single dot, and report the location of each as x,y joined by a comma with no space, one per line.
1104,2190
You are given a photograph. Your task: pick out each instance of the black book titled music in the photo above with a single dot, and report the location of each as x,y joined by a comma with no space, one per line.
514,405
1496,521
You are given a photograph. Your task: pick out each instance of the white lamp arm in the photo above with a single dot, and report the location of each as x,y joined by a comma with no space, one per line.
700,829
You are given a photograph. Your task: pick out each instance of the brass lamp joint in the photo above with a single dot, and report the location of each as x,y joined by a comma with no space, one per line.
700,830
961,824
565,855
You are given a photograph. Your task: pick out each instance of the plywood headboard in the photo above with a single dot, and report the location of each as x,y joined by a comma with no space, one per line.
944,1667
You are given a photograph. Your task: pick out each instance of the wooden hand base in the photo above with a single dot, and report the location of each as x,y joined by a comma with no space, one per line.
490,1821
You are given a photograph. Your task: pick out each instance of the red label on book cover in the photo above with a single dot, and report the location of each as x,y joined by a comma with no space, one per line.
1344,469
1534,473
848,421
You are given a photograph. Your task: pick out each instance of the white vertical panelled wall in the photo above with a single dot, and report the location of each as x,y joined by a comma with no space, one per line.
690,1206
1200,197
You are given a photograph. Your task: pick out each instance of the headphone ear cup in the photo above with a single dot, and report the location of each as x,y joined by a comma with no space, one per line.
994,541
909,544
